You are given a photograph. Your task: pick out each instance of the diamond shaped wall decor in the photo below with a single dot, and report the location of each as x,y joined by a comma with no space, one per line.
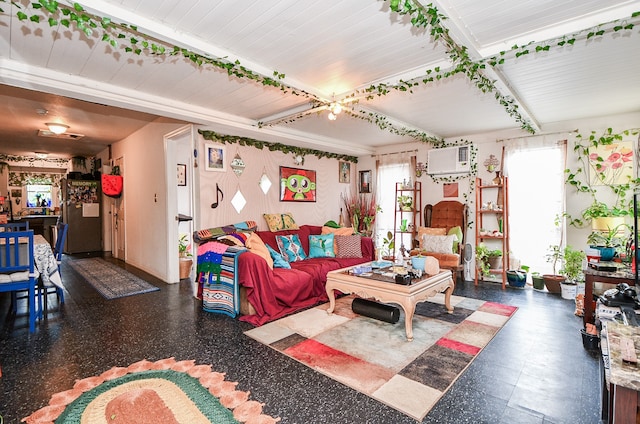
238,201
237,164
264,183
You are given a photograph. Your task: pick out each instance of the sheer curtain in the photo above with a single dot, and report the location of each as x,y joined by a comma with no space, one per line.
390,169
535,167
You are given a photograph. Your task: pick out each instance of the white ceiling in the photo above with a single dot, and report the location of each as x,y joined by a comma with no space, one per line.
331,50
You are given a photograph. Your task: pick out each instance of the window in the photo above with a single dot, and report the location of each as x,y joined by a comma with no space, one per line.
39,196
536,197
388,173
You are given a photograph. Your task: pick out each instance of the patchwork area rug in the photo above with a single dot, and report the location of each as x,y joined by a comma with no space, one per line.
165,391
375,358
110,280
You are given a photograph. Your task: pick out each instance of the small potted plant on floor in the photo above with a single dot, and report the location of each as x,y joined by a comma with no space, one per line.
572,271
518,277
552,281
537,280
186,261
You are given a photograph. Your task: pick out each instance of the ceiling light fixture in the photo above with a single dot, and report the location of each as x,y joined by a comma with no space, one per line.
41,155
56,128
334,110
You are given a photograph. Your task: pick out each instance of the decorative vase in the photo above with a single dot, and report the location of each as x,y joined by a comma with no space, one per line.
417,262
498,179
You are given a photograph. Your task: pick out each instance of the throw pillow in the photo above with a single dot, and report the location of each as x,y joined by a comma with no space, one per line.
349,246
431,231
438,244
291,248
321,246
257,246
340,231
280,221
456,231
278,260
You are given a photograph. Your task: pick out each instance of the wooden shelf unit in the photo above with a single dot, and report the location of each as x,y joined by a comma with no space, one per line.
491,193
413,217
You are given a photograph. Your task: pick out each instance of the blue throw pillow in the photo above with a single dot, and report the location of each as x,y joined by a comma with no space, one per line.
321,246
278,260
291,248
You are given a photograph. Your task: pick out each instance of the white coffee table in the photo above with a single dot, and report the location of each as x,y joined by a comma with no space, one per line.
407,296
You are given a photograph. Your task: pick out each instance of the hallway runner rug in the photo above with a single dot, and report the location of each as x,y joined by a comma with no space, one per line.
110,280
375,358
166,391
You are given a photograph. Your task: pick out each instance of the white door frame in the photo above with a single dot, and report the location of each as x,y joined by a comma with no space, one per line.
179,144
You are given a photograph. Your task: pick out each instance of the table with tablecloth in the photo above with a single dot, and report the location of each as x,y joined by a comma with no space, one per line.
44,260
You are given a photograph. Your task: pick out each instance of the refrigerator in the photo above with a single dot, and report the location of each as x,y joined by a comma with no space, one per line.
81,210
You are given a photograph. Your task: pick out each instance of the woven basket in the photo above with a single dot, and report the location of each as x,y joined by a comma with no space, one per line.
185,267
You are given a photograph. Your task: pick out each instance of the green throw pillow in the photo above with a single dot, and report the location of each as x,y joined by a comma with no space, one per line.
457,231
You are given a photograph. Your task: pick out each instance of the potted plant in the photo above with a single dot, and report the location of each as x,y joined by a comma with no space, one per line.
608,241
537,280
552,281
388,247
184,251
518,277
572,271
405,202
487,259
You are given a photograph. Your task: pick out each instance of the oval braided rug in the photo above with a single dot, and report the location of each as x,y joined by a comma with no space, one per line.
166,391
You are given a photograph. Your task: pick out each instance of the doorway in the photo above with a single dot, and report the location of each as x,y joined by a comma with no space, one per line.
181,197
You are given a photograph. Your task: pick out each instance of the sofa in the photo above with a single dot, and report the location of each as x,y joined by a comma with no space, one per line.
269,292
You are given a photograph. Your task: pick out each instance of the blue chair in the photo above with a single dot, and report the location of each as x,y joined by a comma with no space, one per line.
48,288
15,226
17,270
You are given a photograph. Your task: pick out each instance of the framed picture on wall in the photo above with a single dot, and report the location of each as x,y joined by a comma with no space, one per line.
182,174
215,158
344,172
297,185
365,181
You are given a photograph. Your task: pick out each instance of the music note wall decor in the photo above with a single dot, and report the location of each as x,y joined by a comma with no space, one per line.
219,197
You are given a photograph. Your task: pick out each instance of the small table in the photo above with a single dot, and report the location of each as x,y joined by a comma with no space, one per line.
591,276
407,296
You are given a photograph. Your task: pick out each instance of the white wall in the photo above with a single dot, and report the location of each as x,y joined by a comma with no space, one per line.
145,194
328,189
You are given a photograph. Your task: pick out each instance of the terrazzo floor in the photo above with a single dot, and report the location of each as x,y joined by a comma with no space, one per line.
534,371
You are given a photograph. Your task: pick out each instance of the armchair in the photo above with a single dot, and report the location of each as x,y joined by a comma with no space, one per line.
442,219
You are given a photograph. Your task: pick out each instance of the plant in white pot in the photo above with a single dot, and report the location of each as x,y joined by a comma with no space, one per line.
572,271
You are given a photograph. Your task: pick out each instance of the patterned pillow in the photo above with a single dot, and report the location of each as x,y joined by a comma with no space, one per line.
280,221
321,246
349,246
278,260
431,231
438,244
291,248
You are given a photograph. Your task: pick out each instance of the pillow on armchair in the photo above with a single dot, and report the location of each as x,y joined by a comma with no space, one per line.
422,231
438,244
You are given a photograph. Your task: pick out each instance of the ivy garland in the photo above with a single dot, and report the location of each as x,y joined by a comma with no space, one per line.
31,159
467,196
284,148
421,16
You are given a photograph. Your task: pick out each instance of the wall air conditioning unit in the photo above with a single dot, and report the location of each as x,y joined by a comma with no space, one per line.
449,160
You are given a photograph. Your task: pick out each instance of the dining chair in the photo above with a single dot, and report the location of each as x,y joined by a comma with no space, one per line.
17,270
15,226
49,288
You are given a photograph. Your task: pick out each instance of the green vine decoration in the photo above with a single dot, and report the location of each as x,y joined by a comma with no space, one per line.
284,148
592,162
428,17
468,195
32,159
